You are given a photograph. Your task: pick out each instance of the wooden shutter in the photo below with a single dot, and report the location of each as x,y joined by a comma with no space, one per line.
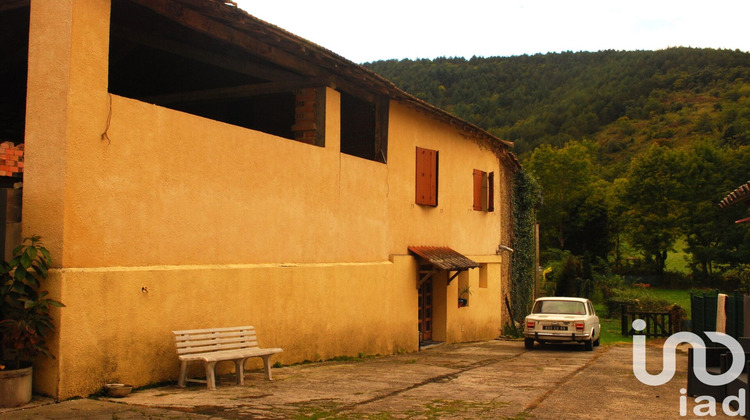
491,191
478,177
427,177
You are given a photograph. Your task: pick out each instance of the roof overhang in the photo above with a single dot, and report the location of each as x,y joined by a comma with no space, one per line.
741,194
224,20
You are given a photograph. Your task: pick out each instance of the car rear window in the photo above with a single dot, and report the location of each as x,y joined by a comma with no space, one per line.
559,307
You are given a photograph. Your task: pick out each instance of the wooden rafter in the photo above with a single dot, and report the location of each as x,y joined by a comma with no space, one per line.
213,58
232,92
218,30
6,5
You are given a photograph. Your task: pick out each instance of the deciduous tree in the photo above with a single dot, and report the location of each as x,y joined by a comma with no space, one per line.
652,194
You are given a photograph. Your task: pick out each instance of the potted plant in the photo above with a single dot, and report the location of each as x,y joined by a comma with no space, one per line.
25,320
463,296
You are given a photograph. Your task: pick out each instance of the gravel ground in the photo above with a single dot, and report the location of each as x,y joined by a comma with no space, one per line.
496,379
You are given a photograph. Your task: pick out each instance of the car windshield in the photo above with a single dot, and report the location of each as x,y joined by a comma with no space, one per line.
559,307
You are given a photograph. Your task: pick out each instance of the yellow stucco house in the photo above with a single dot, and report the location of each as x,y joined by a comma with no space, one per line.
190,166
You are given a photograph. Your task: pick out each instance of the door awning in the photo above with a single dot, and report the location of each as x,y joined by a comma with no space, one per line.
444,258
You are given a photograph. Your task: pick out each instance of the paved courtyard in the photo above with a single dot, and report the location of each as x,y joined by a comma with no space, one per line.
494,379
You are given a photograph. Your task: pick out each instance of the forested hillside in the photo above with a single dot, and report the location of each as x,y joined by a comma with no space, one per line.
621,99
632,152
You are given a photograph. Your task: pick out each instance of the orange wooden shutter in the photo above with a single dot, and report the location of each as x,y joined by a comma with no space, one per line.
478,176
426,177
491,191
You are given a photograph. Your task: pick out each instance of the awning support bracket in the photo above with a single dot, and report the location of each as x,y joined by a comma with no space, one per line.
450,279
423,274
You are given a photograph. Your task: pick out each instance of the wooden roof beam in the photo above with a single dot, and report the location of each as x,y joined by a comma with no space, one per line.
209,57
233,92
218,30
13,4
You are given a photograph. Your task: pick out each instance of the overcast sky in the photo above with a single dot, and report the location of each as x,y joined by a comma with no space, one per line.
377,30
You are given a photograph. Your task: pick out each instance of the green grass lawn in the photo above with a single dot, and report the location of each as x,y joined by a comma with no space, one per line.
611,332
677,260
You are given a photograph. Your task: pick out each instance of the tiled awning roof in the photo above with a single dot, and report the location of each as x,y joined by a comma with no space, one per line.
444,258
739,195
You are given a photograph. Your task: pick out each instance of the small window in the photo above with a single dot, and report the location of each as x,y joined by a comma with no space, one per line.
484,191
464,290
483,275
427,177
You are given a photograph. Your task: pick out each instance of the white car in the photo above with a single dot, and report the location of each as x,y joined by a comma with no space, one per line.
560,319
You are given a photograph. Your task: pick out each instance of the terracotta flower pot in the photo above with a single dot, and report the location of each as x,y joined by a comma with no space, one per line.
15,386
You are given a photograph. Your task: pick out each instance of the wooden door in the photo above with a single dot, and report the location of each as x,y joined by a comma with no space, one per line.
425,311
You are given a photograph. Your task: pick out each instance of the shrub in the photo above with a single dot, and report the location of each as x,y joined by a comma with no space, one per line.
634,300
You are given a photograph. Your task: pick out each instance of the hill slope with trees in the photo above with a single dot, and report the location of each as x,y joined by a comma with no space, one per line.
619,98
632,150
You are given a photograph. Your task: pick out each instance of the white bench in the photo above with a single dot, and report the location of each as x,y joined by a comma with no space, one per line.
214,345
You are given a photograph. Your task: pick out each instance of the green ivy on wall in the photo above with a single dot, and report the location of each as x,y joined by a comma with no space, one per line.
526,197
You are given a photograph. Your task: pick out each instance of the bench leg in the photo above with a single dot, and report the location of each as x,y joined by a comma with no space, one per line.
239,368
211,376
267,365
183,375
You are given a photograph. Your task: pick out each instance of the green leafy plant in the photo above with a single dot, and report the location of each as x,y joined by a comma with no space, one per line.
526,197
25,310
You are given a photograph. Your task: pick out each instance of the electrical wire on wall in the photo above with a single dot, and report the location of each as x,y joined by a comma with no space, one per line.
105,135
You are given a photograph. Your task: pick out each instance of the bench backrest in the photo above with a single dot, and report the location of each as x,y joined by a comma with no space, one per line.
215,339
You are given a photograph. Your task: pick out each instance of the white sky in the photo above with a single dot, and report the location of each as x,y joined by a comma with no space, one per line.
383,29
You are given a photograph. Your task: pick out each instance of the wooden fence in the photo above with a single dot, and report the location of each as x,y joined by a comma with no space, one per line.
658,324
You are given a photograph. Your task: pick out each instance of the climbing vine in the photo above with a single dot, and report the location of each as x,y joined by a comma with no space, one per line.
526,197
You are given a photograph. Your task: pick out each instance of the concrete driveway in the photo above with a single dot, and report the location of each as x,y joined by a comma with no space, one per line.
495,379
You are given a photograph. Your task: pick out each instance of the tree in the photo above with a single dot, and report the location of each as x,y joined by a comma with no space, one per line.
705,183
617,220
573,214
652,194
735,239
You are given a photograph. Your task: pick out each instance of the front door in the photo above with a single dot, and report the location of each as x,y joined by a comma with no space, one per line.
425,311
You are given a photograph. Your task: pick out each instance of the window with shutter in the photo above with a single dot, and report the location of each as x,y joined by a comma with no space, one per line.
484,191
427,177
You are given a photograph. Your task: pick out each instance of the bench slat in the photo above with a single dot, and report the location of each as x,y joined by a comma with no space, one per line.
217,356
217,347
212,330
228,334
197,343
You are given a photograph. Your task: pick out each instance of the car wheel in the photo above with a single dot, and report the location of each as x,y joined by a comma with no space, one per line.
596,342
528,343
589,344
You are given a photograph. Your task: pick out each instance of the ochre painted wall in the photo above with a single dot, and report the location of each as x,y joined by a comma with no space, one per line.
453,222
226,226
114,331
